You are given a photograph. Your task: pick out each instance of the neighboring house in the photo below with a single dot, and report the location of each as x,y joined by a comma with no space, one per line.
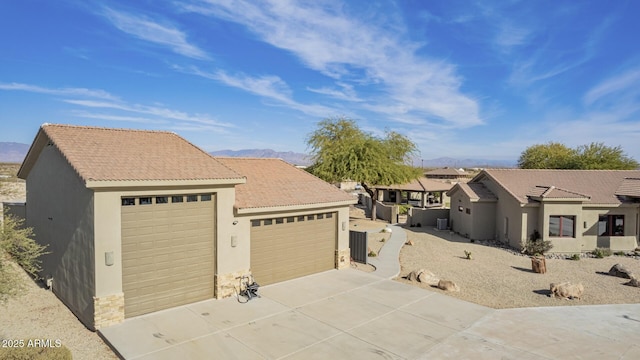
139,221
577,210
448,174
421,192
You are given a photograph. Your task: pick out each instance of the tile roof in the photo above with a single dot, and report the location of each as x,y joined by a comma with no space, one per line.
477,191
274,183
552,192
419,185
629,187
600,185
446,172
104,154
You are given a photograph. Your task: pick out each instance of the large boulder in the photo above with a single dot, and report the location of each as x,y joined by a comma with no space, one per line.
566,290
427,277
413,276
448,285
620,270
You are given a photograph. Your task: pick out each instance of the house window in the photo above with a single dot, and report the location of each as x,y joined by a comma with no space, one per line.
268,222
611,225
279,220
145,201
320,216
177,199
162,199
562,226
329,215
206,197
255,223
460,208
468,211
300,218
192,198
310,217
290,219
128,201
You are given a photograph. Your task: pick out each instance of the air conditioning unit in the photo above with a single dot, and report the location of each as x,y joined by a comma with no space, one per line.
441,224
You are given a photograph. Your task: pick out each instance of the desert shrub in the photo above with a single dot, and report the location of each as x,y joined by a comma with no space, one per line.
403,209
575,257
535,245
17,241
620,253
36,353
601,252
372,254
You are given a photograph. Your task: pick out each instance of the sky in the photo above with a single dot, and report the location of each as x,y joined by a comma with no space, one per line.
462,79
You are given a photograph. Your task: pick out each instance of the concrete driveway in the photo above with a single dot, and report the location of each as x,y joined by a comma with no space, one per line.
349,314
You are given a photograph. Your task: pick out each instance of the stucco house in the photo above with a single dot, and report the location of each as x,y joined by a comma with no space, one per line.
139,221
421,192
577,210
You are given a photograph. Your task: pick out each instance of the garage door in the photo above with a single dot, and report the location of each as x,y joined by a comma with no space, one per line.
289,247
167,251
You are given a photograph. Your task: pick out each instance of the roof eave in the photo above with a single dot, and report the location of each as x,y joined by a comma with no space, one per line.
289,208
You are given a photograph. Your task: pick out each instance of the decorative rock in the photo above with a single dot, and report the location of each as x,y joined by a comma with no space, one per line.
448,285
413,276
633,282
620,270
409,242
566,290
427,277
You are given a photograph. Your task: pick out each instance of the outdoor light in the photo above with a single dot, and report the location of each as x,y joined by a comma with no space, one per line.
108,258
344,225
234,241
235,222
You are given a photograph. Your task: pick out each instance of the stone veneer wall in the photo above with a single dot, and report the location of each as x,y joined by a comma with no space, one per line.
108,310
228,284
343,258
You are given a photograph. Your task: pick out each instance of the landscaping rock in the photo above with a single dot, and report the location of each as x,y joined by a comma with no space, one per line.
448,285
413,276
620,271
427,277
633,282
566,290
409,242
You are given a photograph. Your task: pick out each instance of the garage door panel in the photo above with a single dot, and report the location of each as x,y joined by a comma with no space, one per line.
168,255
292,249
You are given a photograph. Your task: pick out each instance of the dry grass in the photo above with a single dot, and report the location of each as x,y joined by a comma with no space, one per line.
11,188
500,279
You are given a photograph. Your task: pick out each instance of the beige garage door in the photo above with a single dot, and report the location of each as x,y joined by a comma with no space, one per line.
289,247
167,251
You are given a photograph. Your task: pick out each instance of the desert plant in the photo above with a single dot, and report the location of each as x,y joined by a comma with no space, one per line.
372,254
468,255
536,246
601,252
403,209
36,352
575,257
620,253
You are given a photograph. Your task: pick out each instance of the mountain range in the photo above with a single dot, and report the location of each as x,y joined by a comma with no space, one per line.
15,152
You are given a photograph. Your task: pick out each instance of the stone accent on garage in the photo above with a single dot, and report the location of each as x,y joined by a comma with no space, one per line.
227,285
108,310
343,258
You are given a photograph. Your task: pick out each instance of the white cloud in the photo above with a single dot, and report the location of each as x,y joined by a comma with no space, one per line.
91,93
621,86
155,32
357,50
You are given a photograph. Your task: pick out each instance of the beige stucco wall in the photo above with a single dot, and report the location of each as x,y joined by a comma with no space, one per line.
426,217
60,210
482,218
629,241
460,221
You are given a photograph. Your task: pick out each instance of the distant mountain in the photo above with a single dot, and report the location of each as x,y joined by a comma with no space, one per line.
13,152
288,156
466,163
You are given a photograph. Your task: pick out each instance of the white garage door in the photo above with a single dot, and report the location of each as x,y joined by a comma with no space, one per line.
289,247
167,251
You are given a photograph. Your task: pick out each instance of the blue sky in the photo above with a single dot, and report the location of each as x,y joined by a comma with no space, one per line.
461,79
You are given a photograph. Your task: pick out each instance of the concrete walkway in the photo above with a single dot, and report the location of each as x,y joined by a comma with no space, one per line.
387,263
350,314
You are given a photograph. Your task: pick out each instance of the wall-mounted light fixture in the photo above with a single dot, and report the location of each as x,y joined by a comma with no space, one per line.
108,258
344,225
235,222
234,241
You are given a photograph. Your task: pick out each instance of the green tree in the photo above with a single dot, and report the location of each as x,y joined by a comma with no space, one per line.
586,157
598,156
16,243
341,151
552,155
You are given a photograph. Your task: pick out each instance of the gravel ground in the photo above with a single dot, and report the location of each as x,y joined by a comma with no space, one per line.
38,314
499,279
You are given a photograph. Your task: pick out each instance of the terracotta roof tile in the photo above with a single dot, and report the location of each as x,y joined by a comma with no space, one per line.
477,191
552,192
629,187
273,183
123,154
600,185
